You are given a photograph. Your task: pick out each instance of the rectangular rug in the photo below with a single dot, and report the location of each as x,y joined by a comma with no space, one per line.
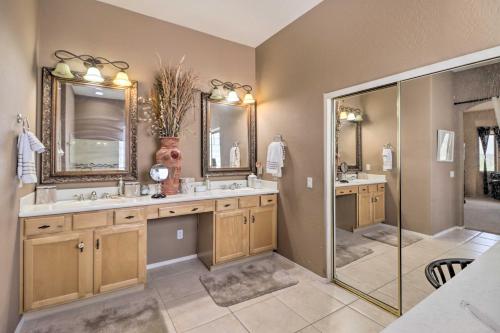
345,254
235,284
389,235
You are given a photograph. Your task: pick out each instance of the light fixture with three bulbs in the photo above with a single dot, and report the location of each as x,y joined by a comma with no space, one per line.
349,114
92,64
228,91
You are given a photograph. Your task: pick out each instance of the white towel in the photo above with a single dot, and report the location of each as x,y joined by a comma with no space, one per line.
234,157
27,145
275,158
387,159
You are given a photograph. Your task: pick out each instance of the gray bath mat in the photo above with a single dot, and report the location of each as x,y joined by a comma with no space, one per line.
345,254
141,315
235,284
388,235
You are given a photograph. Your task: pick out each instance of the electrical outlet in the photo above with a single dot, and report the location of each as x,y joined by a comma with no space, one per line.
452,174
309,182
368,167
180,233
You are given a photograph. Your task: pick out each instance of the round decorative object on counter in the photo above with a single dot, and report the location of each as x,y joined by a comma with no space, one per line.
170,156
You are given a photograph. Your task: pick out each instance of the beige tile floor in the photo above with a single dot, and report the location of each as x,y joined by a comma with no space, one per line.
376,273
313,305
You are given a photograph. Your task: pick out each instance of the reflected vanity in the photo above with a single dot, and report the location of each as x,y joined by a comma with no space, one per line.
90,129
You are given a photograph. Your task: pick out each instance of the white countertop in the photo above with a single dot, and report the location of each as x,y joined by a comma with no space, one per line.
72,206
478,284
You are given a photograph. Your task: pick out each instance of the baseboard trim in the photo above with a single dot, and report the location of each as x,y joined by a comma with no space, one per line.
171,261
447,230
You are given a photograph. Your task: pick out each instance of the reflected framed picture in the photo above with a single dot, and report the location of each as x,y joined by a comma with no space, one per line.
445,146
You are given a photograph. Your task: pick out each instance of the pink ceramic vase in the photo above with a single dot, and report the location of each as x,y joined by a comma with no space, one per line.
170,156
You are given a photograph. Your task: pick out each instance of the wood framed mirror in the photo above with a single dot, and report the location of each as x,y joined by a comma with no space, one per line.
89,130
229,145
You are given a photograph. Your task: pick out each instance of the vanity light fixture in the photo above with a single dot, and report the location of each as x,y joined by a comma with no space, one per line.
219,89
350,114
93,65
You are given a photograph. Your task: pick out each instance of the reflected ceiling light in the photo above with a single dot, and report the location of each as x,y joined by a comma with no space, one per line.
351,116
233,97
62,70
343,115
121,79
93,75
219,87
92,64
359,117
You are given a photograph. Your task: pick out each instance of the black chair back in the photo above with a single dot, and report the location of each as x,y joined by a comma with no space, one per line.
436,267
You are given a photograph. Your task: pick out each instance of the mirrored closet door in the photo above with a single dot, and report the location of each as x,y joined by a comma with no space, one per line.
366,229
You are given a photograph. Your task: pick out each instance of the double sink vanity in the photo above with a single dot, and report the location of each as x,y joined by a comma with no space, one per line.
77,249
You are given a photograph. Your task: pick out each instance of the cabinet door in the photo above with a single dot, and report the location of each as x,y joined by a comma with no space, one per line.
57,269
231,235
262,229
119,257
365,209
378,207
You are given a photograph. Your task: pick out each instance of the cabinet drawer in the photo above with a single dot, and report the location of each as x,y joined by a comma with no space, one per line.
268,199
247,202
372,188
92,220
363,189
45,225
186,209
129,215
381,187
226,204
346,190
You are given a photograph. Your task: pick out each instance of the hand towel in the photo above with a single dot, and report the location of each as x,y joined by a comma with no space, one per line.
275,158
27,145
234,157
387,159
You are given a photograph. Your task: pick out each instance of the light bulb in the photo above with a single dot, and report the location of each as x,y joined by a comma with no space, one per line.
93,75
351,116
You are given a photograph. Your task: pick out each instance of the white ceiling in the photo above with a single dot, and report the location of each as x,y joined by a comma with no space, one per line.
245,22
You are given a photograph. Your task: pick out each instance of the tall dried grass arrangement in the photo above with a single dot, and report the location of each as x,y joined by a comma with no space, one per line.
172,96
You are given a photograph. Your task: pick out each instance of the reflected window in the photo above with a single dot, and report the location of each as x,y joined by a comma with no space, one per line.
491,149
215,147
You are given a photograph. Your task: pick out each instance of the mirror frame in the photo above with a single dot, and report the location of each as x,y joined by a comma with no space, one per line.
358,167
49,96
206,170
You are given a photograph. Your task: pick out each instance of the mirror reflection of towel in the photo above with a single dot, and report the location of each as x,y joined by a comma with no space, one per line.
234,157
387,159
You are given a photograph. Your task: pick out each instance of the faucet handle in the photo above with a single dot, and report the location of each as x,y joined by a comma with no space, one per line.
106,195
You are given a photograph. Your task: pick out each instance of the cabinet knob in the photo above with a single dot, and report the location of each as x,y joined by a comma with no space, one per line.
81,246
253,218
244,220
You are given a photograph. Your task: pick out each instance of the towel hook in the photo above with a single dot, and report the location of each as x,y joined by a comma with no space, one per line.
24,121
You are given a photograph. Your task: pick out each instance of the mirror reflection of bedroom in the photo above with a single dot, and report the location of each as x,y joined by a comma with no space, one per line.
366,234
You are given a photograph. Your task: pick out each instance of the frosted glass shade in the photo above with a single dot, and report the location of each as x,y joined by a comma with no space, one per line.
217,94
248,99
93,75
62,70
232,97
121,79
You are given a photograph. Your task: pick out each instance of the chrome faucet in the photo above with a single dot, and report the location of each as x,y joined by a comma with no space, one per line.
234,186
106,195
93,195
79,197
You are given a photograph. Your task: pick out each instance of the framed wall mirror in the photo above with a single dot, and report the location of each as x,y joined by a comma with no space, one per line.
348,145
89,130
229,144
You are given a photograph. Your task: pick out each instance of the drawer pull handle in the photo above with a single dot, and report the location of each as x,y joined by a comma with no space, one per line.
97,244
81,246
129,217
45,226
171,211
227,205
244,220
253,218
269,200
194,209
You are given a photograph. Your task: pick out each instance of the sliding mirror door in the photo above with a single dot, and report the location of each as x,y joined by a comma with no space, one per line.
366,203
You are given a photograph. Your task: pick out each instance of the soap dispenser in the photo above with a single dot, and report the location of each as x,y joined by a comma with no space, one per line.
120,186
207,183
251,180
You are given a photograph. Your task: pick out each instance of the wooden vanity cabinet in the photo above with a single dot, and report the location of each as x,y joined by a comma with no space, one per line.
371,205
231,235
263,229
57,269
119,257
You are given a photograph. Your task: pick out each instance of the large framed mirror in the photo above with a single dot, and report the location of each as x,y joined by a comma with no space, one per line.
89,130
229,144
348,145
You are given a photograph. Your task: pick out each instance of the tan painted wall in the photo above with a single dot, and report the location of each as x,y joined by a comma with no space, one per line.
119,34
336,45
18,21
